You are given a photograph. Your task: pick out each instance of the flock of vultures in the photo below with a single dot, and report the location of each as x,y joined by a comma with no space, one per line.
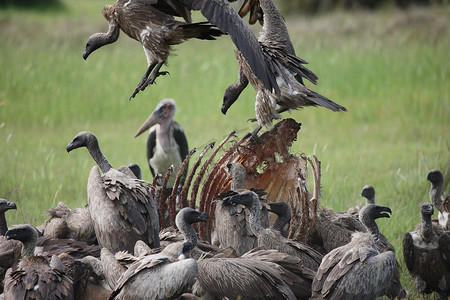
249,229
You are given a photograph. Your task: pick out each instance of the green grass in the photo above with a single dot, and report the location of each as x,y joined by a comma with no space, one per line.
389,68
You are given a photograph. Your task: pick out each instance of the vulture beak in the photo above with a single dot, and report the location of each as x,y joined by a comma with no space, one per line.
382,212
153,119
85,54
70,147
11,205
203,217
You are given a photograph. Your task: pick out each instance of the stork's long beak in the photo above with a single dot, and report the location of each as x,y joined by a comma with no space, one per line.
153,119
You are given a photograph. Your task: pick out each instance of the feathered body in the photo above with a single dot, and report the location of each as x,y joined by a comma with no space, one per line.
427,255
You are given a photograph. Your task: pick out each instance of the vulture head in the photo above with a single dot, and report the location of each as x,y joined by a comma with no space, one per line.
163,113
26,233
82,139
190,216
435,177
6,205
427,210
245,198
373,212
368,192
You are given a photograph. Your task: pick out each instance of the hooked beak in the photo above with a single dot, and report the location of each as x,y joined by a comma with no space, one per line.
12,205
203,217
383,212
153,119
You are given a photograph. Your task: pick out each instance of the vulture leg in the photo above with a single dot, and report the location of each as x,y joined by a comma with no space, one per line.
149,77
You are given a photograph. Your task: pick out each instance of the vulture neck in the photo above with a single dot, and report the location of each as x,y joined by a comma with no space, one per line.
3,225
111,36
97,155
371,225
255,217
427,228
237,177
188,232
29,247
435,195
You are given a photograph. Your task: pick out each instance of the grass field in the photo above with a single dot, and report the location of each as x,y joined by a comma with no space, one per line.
389,68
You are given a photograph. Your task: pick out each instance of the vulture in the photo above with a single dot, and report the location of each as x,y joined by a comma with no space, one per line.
9,249
65,223
166,143
168,274
271,239
427,255
121,206
151,23
442,204
287,68
357,270
283,212
231,226
35,277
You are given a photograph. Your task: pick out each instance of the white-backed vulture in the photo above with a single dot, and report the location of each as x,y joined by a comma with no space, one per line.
427,255
357,270
122,208
271,239
165,275
35,277
231,224
166,143
287,68
154,27
441,203
66,223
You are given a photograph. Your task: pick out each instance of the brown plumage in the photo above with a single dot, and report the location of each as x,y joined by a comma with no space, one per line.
442,203
66,223
165,275
287,68
35,277
231,227
151,23
122,208
271,239
356,270
427,255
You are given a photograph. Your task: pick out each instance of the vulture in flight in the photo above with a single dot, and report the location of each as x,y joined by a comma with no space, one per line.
427,255
121,206
288,69
166,143
152,23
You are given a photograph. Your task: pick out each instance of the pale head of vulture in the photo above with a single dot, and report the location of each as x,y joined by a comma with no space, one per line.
162,114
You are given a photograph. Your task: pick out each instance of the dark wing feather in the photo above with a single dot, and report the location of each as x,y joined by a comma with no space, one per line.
408,251
151,144
225,17
175,8
444,247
